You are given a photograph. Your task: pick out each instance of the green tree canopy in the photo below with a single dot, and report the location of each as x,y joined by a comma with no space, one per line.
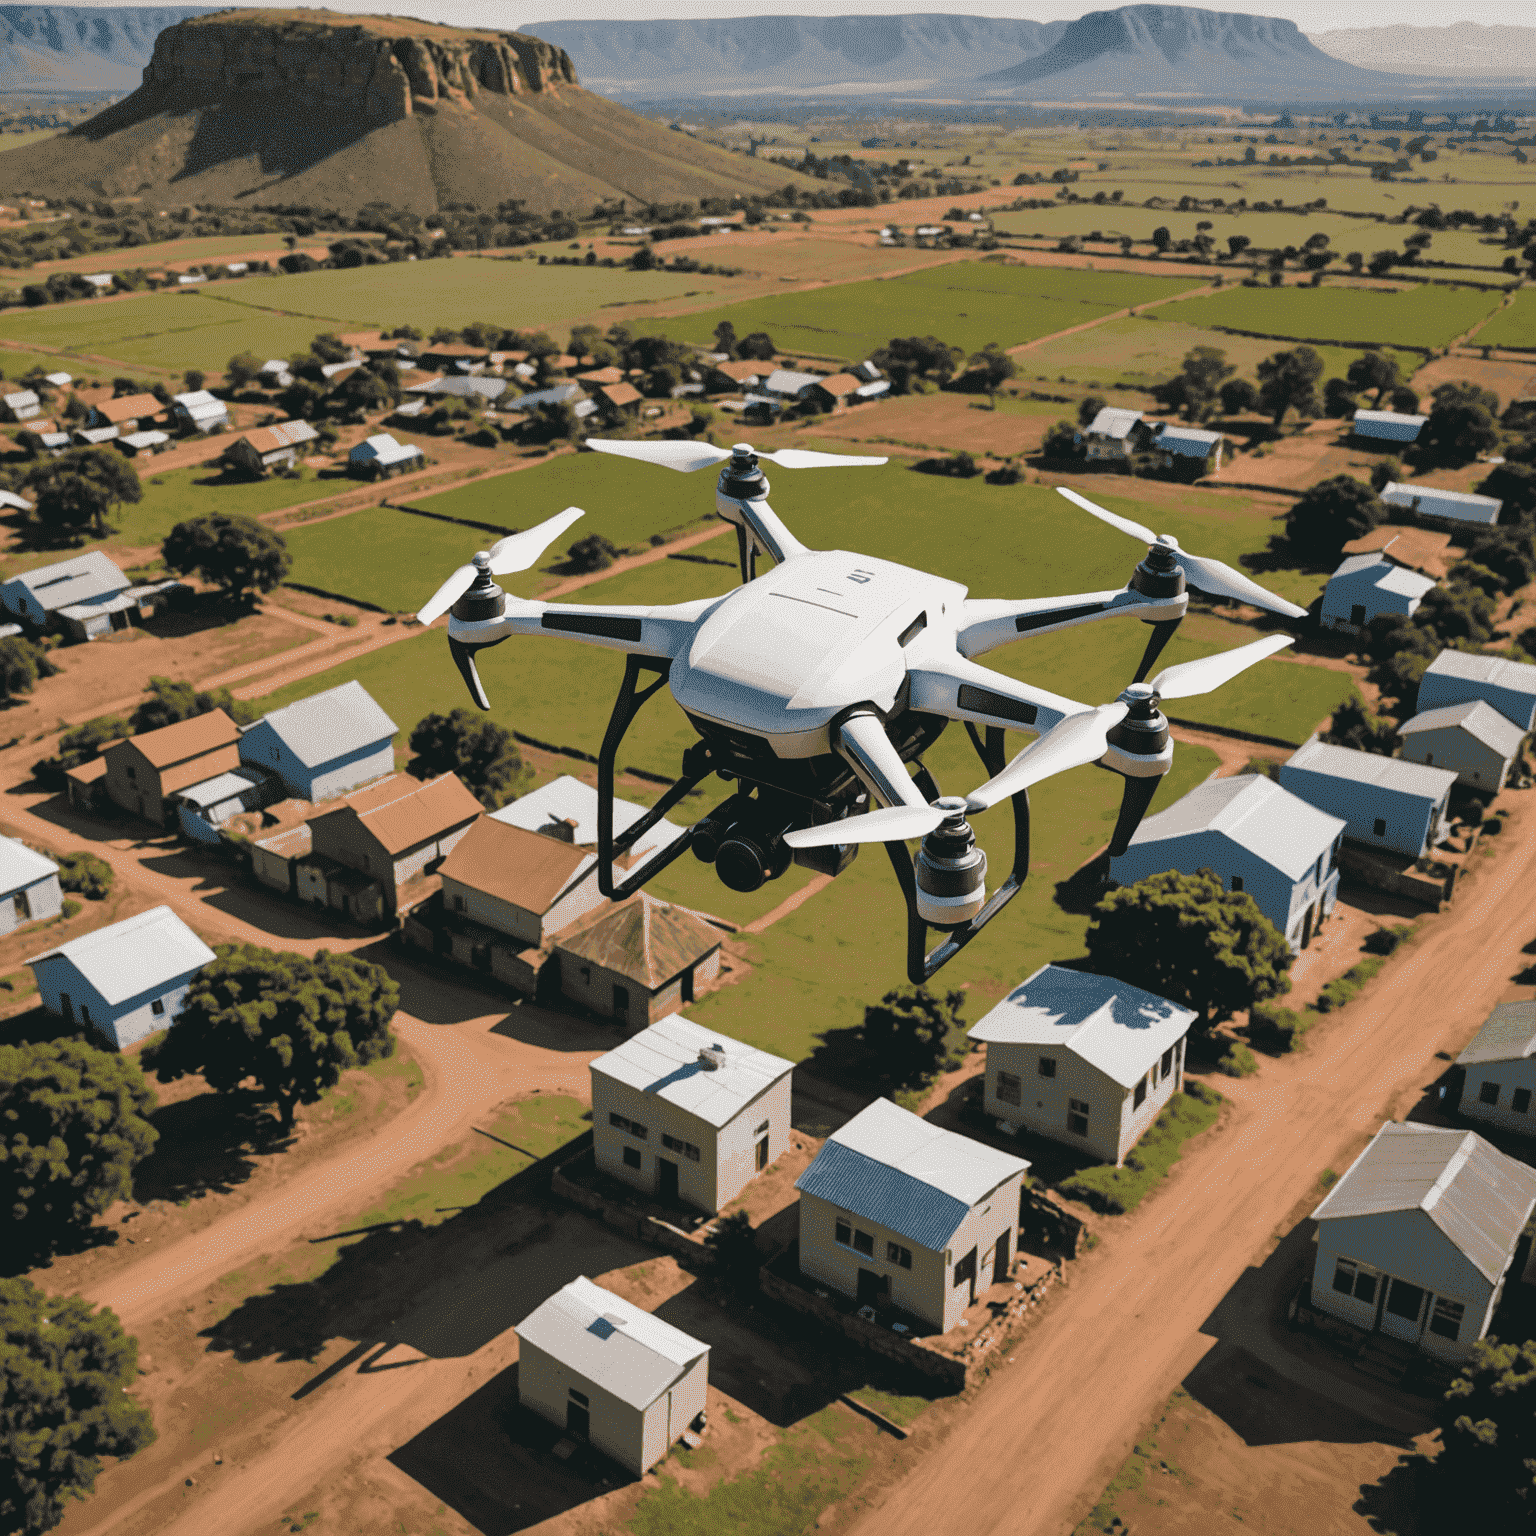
66,1373
171,702
1288,381
22,663
1189,939
242,369
482,753
1375,371
1089,407
84,874
1487,1462
291,1023
1237,396
236,553
1332,513
80,489
1196,387
989,369
757,346
1463,422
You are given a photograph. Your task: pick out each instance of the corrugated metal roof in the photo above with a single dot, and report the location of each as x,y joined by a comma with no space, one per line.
285,434
1393,773
913,1177
381,448
1188,440
222,787
402,812
664,1060
1388,576
1422,549
1405,495
1517,676
72,581
134,956
129,408
568,800
1476,718
1118,1028
1480,1199
21,866
1112,421
1257,814
610,1342
643,939
789,381
329,725
1508,1034
1388,418
187,738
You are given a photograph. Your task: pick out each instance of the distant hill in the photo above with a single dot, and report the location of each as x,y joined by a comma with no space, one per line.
77,49
1175,50
792,54
1465,50
316,109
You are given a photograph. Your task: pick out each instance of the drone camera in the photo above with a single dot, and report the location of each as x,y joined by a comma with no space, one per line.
744,839
951,871
827,861
713,830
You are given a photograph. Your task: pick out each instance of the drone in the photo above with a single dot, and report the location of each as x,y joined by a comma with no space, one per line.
816,688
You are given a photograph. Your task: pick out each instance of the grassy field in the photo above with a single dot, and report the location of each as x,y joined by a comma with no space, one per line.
1513,326
14,362
1414,317
967,304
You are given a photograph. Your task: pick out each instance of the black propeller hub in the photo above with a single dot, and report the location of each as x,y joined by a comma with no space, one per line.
1144,730
484,600
1160,574
742,479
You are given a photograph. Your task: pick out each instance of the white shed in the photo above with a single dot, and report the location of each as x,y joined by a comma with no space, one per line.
1500,1068
29,886
1474,740
1367,586
1431,501
1454,677
1109,434
1388,426
689,1114
610,1374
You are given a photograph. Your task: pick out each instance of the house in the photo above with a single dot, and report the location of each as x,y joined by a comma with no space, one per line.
687,1114
381,838
275,858
1365,587
619,399
93,437
264,449
1499,1069
134,443
201,809
1084,1059
21,405
730,378
1388,426
1191,448
326,745
1258,838
867,372
1473,740
198,411
1415,549
98,617
447,354
639,961
29,886
789,384
1112,434
126,413
872,390
1384,802
60,380
144,771
52,442
834,392
274,374
607,1373
461,387
100,281
896,1212
1418,1237
1431,501
379,456
83,786
1454,677
595,376
38,595
557,394
188,278
566,809
126,981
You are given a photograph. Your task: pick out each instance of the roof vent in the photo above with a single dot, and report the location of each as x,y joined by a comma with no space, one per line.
562,828
711,1057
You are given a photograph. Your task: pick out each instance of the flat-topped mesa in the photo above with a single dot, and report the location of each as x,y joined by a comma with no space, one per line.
378,72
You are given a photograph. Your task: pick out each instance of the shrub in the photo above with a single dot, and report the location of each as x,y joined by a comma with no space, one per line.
86,875
1115,1191
735,1250
1345,988
1276,1029
1238,1062
1386,940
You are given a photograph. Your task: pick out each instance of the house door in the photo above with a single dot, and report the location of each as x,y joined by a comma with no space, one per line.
1306,929
621,1004
873,1288
762,1154
578,1420
1000,1260
965,1271
1357,615
666,1179
1402,1312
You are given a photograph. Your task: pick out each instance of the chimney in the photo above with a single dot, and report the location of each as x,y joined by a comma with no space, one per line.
562,829
711,1057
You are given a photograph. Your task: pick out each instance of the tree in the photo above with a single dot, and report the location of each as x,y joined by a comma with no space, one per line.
908,1033
236,553
1061,443
242,369
330,349
1189,939
78,746
1338,398
22,663
593,553
1457,612
757,347
1089,407
1355,726
1237,244
1463,422
292,1024
1196,387
1237,396
725,338
303,400
481,752
990,369
1373,370
1487,1462
80,489
905,358
170,703
1161,238
1288,381
66,1373
73,1126
1332,513
734,1247
1404,400
193,379
584,338
1510,551
83,874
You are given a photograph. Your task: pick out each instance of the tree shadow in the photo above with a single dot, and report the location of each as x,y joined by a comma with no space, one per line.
1082,890
208,1145
1404,1502
192,614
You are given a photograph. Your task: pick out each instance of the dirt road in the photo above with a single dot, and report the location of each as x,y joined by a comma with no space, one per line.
1048,1432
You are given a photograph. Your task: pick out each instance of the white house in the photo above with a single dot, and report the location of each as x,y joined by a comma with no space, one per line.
381,455
1386,802
896,1212
1473,740
1454,677
1431,501
1190,444
127,981
789,383
20,405
326,745
1367,586
1258,838
1084,1059
1500,1068
688,1114
38,595
198,410
1388,426
610,1374
1417,1239
1111,434
29,886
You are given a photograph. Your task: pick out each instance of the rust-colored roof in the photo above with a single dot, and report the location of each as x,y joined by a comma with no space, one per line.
362,340
741,372
643,939
186,739
564,360
839,384
402,812
454,349
1419,549
620,394
208,766
130,408
284,434
602,376
87,773
524,868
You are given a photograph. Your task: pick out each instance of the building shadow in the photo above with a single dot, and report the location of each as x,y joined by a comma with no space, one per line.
36,1025
208,1145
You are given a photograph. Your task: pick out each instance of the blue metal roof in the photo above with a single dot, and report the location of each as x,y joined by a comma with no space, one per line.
896,1200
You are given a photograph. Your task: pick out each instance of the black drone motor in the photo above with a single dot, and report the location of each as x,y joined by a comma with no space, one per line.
1138,750
951,870
484,600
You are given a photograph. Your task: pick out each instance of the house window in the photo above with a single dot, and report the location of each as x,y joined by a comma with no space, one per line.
1379,826
1349,1279
762,1130
1077,1117
157,1007
1429,759
66,1007
631,1157
1141,1093
1047,1066
1489,1093
1168,1061
1009,1089
133,773
634,1127
1445,1320
85,1013
687,1148
843,1233
1237,882
864,1243
579,1397
586,975
21,906
1520,1101
896,1254
1405,1300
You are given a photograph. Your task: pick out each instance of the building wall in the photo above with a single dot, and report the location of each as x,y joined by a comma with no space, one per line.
1475,765
696,1181
44,899
592,986
1437,691
1343,592
684,1401
133,782
736,1141
580,897
1507,1077
1411,819
272,869
616,1429
120,1024
338,776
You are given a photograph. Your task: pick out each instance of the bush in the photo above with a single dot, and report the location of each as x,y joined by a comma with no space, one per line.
86,875
1238,1062
1345,988
960,466
1116,1191
735,1250
69,908
1005,474
1385,941
593,553
1276,1029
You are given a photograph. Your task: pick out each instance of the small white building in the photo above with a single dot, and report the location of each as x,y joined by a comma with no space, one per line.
1431,501
1084,1059
566,809
789,383
20,405
1500,1069
274,374
1112,434
127,981
687,1114
39,595
1473,740
610,1374
1454,677
1367,586
1388,426
381,455
1193,446
198,410
326,745
1417,1239
132,444
896,1212
29,886
1385,802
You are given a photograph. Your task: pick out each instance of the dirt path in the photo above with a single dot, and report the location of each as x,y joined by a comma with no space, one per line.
1044,1437
1119,314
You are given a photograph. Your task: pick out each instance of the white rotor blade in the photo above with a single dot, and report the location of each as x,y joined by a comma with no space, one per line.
894,825
518,551
1221,580
1208,673
1124,524
807,458
448,594
684,456
1077,740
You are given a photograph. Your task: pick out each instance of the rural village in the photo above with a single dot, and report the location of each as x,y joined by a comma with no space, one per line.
399,1177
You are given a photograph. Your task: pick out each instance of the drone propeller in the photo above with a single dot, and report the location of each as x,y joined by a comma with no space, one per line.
686,457
1205,674
1212,576
894,825
516,552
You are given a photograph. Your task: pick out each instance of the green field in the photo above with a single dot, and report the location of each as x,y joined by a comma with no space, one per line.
967,304
1513,326
14,362
1422,316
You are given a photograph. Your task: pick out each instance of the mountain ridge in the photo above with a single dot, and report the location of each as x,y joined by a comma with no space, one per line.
1465,50
80,49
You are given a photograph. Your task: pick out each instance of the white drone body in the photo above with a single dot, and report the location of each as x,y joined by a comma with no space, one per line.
832,662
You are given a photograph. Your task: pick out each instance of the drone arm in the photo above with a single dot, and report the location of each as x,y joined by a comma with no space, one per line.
960,689
660,632
987,623
764,524
861,742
